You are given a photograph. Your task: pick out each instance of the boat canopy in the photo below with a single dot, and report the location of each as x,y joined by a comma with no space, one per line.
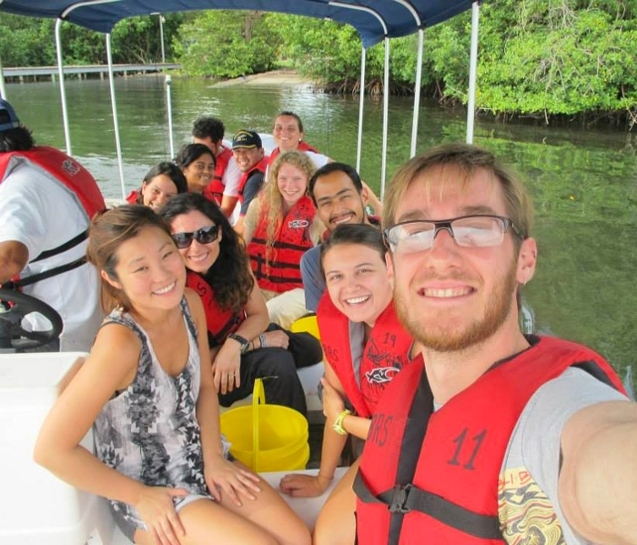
373,19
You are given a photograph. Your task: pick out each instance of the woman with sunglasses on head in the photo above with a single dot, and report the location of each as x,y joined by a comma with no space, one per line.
241,346
161,183
197,162
365,346
160,458
280,225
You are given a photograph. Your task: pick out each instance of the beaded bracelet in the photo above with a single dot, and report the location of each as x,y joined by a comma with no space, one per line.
262,340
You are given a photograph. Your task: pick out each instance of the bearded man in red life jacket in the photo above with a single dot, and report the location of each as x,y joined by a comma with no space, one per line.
47,200
490,436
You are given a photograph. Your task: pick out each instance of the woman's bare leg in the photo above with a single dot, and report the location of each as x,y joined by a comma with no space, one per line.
336,524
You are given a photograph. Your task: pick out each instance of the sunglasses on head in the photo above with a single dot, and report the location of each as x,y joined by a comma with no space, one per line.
205,235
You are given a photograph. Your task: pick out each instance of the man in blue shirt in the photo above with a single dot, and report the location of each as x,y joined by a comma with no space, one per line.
340,196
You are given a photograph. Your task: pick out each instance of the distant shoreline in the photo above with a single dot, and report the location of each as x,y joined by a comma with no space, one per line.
288,78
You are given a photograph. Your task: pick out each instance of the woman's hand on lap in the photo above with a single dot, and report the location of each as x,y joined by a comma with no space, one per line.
157,510
225,367
225,476
277,339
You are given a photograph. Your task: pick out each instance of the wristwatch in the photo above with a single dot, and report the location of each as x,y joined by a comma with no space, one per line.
241,340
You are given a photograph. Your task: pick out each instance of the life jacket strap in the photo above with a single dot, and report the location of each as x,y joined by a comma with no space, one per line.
62,247
19,284
406,498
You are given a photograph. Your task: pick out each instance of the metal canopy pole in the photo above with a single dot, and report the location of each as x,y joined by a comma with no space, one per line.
383,167
169,112
118,146
386,108
65,112
3,89
361,106
58,50
418,83
473,70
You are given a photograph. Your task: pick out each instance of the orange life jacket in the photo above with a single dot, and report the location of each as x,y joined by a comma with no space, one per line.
277,268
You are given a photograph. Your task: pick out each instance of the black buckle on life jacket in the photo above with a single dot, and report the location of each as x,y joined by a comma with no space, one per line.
399,498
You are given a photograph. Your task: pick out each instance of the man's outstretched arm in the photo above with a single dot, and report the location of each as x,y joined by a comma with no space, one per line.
598,480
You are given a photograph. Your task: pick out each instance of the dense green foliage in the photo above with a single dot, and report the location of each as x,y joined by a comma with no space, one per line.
538,58
226,44
30,42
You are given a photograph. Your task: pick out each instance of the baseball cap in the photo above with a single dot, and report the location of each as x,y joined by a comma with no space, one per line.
8,117
246,140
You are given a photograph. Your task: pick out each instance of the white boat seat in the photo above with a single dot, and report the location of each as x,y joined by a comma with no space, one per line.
40,508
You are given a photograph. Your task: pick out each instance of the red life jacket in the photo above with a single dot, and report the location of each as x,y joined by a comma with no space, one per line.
303,146
440,470
61,168
260,166
64,170
214,190
220,323
133,196
277,268
385,353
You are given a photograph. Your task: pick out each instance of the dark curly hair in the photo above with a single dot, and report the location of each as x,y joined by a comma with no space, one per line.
18,139
208,126
229,276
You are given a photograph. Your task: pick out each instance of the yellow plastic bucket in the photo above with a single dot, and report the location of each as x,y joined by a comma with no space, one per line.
267,437
307,324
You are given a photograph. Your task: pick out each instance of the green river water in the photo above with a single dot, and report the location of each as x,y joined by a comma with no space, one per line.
584,182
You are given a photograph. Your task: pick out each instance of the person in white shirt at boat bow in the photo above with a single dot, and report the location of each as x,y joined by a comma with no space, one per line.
46,202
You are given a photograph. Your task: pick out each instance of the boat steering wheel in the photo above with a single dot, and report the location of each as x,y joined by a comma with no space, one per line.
12,334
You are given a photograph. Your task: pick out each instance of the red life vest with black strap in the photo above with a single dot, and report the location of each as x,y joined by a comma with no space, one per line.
303,146
220,323
214,190
64,170
436,474
277,268
260,166
384,354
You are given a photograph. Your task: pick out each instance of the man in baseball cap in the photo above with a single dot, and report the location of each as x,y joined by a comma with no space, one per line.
247,150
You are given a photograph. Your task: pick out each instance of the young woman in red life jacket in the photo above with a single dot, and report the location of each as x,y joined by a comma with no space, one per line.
280,225
243,346
365,347
161,183
163,465
197,162
287,132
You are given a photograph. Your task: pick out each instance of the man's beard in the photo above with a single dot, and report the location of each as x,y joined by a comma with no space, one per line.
441,339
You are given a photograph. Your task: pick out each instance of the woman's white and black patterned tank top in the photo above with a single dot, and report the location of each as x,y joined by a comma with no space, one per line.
150,431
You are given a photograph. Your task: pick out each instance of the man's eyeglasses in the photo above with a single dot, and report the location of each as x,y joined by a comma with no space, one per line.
205,235
468,231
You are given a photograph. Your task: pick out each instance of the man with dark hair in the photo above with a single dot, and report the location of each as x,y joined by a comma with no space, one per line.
223,189
46,202
247,150
490,435
340,196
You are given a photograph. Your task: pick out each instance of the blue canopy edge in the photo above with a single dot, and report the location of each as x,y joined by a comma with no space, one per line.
102,17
